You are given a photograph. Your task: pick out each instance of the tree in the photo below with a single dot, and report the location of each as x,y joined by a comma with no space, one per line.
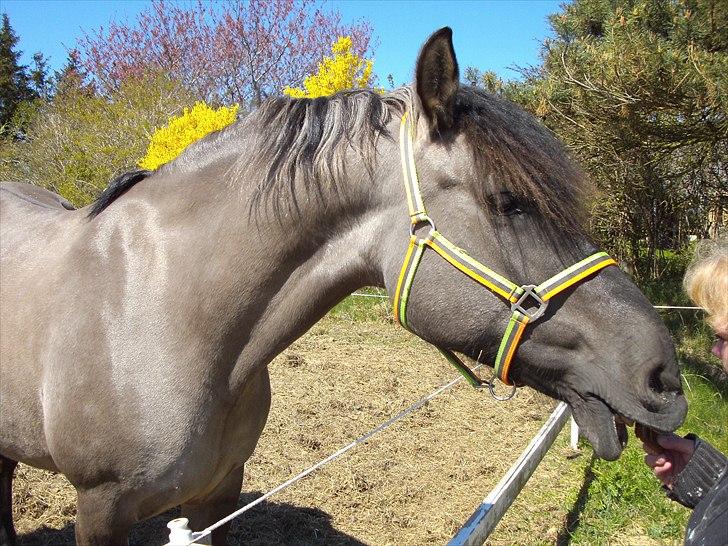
14,86
80,140
237,52
38,77
72,78
343,70
637,88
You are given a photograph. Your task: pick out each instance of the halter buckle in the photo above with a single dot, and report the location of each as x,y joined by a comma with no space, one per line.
532,312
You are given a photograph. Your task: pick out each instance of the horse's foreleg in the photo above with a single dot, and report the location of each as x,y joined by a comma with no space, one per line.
7,529
215,506
101,519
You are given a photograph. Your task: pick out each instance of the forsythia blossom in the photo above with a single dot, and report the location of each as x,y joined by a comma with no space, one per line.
181,131
344,70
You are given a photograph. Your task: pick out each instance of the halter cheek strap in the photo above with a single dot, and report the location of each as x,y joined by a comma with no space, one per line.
528,302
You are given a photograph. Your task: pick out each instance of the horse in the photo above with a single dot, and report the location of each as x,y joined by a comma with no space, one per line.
135,333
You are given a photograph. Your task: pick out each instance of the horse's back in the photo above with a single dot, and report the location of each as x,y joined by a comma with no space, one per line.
33,196
29,215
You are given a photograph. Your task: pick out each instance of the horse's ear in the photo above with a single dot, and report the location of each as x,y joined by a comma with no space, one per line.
437,79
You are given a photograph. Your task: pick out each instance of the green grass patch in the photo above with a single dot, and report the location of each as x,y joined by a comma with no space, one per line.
368,306
623,499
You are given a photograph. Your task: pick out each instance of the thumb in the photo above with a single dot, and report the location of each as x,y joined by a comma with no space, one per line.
674,442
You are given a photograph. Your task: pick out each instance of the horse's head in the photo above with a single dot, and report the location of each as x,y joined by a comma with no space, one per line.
501,189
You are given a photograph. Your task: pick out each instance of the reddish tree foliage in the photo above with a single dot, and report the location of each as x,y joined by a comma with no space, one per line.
232,52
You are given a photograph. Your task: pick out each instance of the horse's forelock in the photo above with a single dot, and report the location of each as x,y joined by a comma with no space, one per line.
523,156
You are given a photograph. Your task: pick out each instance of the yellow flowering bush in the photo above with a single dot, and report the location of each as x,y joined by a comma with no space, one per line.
181,131
343,70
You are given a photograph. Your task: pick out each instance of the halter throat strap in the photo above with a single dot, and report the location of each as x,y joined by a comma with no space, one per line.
528,302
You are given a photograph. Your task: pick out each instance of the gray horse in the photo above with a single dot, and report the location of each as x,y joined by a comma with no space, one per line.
135,334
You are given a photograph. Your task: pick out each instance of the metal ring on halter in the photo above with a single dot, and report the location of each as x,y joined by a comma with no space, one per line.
418,221
491,388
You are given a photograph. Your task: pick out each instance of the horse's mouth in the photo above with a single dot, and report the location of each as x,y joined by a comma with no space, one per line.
605,429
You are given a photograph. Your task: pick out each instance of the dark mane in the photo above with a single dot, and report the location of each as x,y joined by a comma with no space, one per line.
305,141
117,187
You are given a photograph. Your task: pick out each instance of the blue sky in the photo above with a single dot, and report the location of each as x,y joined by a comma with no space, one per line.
488,34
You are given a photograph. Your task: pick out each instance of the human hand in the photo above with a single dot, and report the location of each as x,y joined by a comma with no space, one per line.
667,455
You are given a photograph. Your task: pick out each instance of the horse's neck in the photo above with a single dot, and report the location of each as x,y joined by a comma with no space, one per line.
268,276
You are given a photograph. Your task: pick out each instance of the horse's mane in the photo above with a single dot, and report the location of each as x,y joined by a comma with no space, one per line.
304,142
116,188
301,146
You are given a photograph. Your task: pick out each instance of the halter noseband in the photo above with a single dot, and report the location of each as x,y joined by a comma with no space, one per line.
521,298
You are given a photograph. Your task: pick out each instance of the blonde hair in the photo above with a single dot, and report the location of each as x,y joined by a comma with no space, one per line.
706,280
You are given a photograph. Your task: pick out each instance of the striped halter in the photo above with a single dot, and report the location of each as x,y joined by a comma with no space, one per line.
528,302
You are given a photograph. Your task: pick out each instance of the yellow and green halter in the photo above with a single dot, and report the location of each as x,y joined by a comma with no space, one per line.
521,298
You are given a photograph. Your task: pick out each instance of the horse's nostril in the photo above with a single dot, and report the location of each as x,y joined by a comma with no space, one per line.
655,381
665,377
662,389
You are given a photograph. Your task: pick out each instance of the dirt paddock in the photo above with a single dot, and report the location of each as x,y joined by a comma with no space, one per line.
415,483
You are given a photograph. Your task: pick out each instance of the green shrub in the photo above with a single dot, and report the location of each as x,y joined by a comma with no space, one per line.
79,141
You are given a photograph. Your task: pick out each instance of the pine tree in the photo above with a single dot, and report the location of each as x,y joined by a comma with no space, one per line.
637,88
39,77
71,78
14,85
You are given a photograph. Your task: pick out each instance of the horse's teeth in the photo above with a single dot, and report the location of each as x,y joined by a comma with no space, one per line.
623,419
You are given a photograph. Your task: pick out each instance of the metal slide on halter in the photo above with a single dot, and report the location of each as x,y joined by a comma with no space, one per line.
528,302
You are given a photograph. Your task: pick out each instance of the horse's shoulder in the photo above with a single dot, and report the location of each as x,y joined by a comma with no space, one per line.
34,195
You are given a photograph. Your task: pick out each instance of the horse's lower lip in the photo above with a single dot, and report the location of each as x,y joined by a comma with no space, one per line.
598,422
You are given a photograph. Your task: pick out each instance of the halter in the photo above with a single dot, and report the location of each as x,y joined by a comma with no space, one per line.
528,302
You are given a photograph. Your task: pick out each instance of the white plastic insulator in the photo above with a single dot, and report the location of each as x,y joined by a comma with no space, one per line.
179,532
574,436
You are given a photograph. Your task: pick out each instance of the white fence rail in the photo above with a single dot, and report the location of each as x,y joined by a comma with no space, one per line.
491,510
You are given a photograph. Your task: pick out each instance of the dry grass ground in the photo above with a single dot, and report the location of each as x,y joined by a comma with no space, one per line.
415,483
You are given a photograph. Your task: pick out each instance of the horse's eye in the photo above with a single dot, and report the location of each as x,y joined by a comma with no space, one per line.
507,204
512,210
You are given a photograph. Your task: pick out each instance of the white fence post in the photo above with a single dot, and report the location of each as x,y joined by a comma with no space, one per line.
574,438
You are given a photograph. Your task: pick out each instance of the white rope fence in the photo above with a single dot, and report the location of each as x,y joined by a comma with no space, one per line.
384,296
483,520
181,535
675,307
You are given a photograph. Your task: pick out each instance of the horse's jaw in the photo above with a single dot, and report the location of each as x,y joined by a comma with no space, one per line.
604,422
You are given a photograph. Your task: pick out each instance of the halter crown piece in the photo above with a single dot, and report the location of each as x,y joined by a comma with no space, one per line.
520,298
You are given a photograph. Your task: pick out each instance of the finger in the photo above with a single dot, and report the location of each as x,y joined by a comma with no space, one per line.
654,460
664,468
